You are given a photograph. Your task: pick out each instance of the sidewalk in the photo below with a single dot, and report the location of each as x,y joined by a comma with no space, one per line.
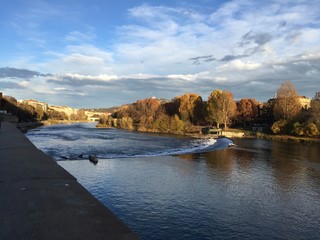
40,200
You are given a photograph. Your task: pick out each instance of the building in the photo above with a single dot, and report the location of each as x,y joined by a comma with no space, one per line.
317,96
35,104
305,102
67,110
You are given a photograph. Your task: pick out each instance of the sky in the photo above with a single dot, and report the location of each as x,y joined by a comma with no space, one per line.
97,53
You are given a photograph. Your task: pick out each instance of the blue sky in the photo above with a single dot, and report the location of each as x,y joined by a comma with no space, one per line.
96,53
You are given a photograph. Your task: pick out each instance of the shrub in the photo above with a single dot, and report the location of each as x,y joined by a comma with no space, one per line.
311,130
298,129
279,126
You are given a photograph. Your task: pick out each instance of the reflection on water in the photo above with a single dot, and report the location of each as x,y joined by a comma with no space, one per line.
258,190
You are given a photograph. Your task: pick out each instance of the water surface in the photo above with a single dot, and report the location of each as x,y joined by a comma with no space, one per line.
258,190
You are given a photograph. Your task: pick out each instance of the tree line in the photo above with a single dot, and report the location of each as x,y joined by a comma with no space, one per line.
189,113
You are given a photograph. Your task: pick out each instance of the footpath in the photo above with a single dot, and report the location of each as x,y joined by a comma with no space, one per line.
41,200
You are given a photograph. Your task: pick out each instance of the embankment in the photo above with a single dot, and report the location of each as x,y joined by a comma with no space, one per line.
40,200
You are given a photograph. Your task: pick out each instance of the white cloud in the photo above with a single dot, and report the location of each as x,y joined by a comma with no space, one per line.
162,49
24,83
77,36
103,77
79,59
240,65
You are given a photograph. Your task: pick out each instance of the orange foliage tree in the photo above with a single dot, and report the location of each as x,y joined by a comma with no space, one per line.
247,110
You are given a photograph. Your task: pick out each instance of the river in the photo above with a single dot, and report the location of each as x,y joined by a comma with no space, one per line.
173,187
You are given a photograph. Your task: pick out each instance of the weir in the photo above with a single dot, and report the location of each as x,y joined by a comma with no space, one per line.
41,200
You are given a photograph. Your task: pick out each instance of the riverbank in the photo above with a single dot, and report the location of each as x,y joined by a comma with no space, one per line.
229,133
238,133
41,200
287,138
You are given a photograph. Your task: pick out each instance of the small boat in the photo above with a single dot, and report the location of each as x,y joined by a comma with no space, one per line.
93,159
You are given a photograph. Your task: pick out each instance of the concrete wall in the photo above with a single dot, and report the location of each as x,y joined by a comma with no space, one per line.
230,134
40,200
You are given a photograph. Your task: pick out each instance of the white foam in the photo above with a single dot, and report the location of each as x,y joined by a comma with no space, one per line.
195,146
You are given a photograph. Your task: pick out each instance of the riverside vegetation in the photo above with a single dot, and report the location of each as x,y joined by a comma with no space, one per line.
284,115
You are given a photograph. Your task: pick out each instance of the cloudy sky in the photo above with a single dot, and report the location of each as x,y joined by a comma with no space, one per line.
97,53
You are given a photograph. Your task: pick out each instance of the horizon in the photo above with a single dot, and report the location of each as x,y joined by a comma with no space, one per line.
97,54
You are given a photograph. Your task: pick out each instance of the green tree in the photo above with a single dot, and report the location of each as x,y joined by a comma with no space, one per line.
279,126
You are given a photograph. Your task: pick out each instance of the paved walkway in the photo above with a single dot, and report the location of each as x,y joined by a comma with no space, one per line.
40,200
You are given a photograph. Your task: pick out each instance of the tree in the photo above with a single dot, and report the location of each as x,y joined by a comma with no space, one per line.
247,110
315,112
191,107
103,119
213,115
141,114
221,107
266,113
287,105
311,130
39,114
227,107
56,115
279,126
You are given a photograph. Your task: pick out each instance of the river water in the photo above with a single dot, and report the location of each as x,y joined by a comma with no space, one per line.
170,187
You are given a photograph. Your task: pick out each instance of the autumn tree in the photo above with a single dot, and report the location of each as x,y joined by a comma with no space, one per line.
103,119
190,107
315,112
23,111
142,113
247,110
287,105
39,114
221,107
266,114
56,115
172,107
227,107
212,108
81,115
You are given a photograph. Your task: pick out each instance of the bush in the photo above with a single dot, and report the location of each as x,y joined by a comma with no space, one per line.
298,129
311,130
126,123
279,126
